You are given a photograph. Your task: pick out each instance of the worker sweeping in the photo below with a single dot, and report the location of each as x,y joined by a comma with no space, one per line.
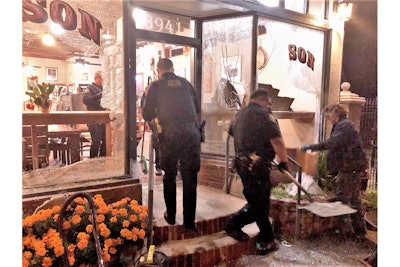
346,160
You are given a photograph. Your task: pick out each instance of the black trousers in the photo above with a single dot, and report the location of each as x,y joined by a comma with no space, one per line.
181,145
98,135
156,147
257,191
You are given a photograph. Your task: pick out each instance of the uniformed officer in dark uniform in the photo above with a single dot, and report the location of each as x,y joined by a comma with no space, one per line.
173,101
257,138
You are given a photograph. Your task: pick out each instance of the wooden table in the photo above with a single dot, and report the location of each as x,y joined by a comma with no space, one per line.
34,118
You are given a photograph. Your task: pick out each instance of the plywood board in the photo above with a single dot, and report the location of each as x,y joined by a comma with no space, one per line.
328,209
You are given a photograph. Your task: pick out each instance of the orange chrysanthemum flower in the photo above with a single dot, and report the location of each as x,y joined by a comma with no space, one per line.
119,225
100,218
66,225
76,219
79,209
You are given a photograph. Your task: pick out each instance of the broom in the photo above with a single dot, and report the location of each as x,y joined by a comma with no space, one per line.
152,258
143,160
323,209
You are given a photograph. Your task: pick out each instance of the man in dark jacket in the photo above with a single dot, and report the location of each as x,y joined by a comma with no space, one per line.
91,99
173,101
345,160
257,139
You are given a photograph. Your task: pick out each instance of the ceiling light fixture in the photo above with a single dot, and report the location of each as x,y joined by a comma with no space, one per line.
107,38
48,39
107,35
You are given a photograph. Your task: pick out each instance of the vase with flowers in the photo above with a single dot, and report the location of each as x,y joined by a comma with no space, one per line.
40,96
121,226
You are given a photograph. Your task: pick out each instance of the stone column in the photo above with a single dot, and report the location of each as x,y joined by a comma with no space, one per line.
353,103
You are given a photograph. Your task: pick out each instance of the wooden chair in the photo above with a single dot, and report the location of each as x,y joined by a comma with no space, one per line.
60,149
85,138
43,145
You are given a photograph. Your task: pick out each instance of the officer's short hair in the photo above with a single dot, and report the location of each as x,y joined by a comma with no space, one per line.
259,92
165,64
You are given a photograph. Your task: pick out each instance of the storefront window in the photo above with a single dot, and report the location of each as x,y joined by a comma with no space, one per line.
226,62
88,39
293,60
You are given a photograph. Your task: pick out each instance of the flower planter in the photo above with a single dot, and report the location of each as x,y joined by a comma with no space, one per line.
47,107
66,236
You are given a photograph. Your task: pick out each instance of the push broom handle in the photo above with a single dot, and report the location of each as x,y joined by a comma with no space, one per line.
151,190
294,180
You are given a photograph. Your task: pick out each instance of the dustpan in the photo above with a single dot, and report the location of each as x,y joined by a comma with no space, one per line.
322,209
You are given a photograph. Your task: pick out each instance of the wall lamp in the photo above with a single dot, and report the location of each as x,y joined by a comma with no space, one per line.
343,9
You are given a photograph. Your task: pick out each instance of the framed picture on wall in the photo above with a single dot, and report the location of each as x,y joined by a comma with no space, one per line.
51,74
84,76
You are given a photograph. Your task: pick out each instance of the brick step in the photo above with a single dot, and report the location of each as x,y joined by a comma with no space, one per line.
213,246
213,209
210,226
208,250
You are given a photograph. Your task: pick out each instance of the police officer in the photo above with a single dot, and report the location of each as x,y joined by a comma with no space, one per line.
173,101
257,139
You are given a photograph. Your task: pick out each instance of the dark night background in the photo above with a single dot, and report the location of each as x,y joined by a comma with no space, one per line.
359,64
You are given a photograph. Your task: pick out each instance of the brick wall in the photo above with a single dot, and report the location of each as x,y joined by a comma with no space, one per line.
282,212
111,192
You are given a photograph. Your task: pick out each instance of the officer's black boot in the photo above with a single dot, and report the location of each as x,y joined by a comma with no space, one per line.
235,224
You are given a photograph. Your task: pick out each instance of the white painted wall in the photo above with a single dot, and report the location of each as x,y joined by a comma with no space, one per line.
68,73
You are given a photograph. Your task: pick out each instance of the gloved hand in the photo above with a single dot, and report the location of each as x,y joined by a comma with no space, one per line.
305,148
283,166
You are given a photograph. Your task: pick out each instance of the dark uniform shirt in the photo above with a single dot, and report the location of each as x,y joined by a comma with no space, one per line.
172,99
252,129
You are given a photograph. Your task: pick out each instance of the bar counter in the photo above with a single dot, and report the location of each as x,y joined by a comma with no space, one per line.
65,117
